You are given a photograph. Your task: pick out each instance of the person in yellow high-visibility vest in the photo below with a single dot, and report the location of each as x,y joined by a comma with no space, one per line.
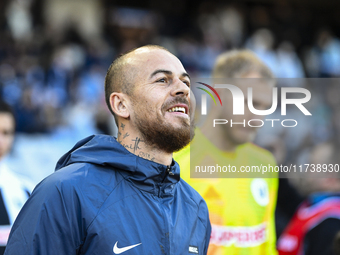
241,209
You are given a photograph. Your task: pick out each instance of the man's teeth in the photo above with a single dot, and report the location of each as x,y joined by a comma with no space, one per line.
177,109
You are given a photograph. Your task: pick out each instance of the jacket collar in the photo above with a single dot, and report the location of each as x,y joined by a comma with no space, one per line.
104,150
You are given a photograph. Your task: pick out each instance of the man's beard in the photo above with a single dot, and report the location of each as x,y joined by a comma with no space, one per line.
161,135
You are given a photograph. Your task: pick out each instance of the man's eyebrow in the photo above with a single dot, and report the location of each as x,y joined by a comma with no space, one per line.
161,71
186,75
167,72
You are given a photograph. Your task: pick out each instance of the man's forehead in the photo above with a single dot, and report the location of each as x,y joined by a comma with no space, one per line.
6,120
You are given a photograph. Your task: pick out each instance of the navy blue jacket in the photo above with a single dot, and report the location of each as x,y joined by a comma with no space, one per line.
105,200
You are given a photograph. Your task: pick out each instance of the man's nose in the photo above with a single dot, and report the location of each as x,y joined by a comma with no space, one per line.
180,88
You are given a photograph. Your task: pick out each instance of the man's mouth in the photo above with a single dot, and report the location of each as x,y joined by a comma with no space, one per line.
179,108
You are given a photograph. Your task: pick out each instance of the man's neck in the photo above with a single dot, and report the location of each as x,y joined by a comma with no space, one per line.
134,143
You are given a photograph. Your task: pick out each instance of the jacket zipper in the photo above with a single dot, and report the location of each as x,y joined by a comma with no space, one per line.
167,172
168,169
166,223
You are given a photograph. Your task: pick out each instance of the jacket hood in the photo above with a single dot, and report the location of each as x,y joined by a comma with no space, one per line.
105,151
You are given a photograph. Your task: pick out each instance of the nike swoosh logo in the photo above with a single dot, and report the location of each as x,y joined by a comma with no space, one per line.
117,250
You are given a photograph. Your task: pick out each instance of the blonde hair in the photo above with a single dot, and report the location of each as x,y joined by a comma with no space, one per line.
238,63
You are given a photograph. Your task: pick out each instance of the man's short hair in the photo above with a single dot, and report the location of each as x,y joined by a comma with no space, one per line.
119,79
238,63
6,108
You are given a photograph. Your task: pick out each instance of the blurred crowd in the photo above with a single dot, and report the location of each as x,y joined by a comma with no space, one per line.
54,55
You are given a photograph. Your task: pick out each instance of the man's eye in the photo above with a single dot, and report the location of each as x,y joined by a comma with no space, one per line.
187,83
162,80
7,133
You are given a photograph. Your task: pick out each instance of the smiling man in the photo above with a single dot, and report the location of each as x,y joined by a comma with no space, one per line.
124,195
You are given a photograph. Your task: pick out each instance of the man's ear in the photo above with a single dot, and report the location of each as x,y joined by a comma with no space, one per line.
119,104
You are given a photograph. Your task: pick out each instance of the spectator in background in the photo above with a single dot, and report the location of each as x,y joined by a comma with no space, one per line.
14,190
313,228
323,58
329,47
241,209
336,244
262,43
288,61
